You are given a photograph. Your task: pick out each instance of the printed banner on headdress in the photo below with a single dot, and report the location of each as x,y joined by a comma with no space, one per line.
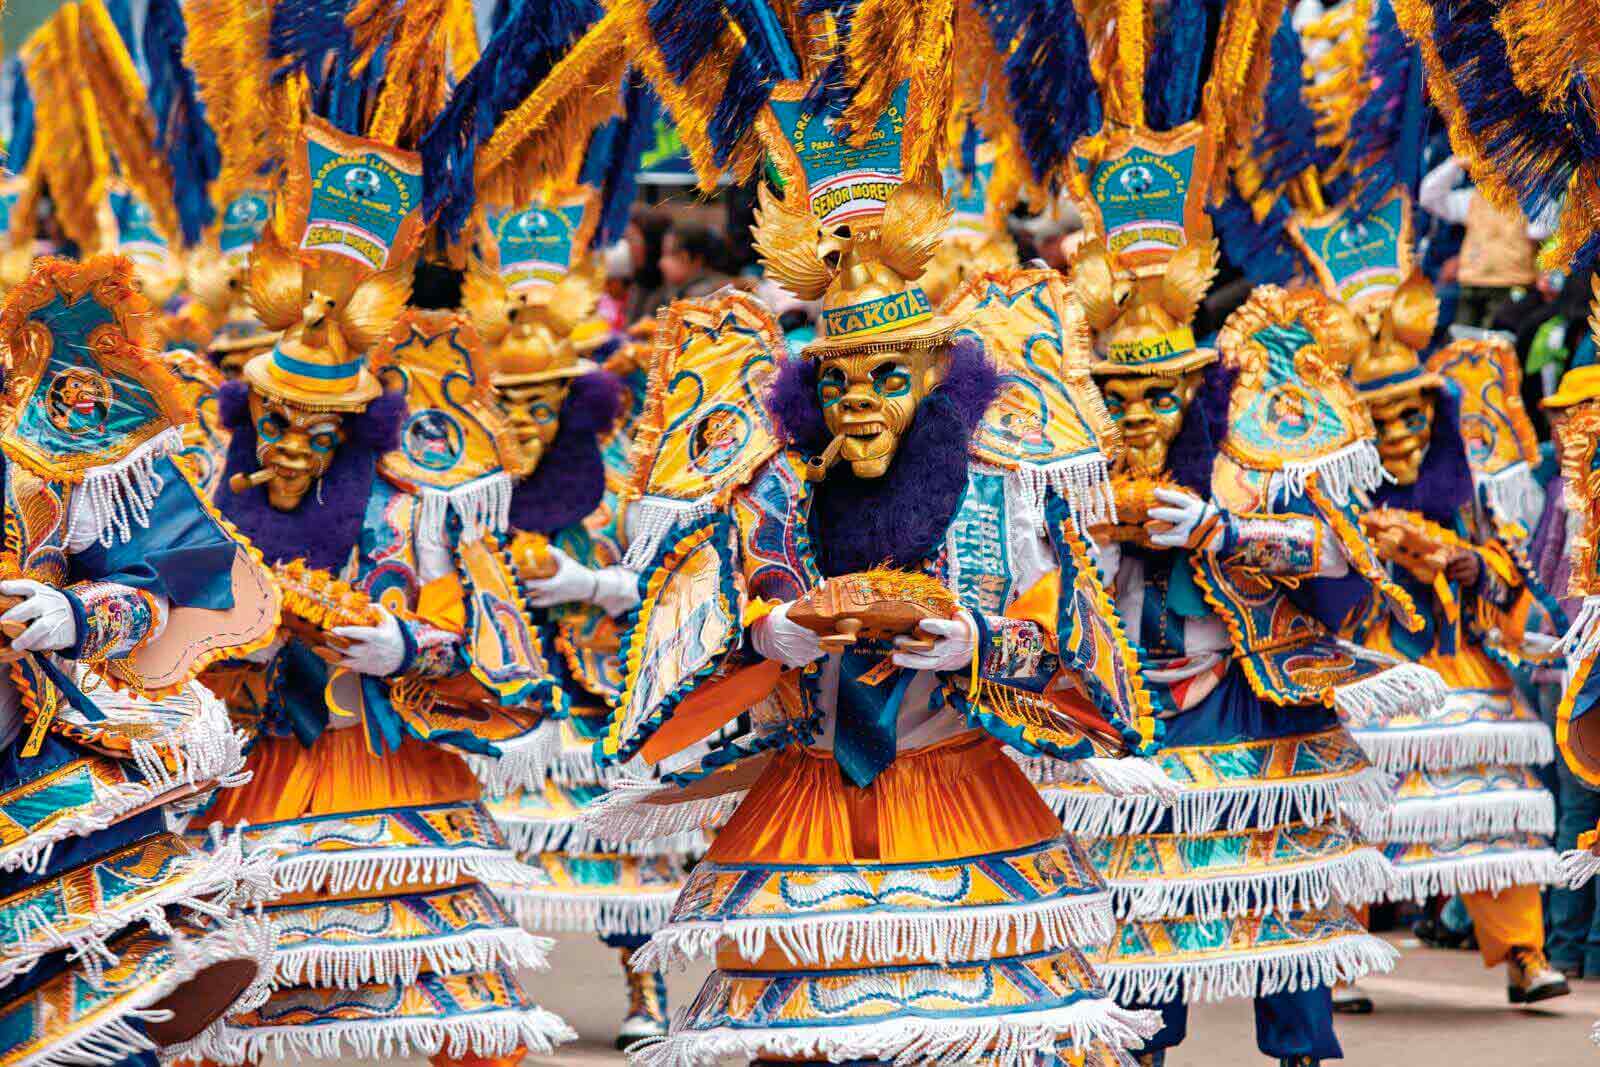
538,245
844,183
135,227
354,197
12,188
1359,262
969,194
1146,193
242,222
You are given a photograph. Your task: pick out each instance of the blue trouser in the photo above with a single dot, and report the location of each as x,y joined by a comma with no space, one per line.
1572,917
631,942
1287,1024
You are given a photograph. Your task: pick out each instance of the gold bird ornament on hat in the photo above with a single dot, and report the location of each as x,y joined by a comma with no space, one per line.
536,336
323,302
1142,320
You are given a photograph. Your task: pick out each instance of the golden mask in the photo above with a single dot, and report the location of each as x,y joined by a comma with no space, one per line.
534,411
294,446
1149,411
870,398
1405,428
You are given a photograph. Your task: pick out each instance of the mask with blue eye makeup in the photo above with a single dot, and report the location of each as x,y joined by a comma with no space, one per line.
534,411
868,401
1405,429
1149,410
295,447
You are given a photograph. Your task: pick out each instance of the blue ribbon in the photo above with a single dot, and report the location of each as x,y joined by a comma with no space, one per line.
867,731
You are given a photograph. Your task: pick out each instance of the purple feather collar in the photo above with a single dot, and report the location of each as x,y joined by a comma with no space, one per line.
901,518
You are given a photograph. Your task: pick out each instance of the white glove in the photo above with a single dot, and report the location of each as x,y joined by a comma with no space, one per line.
775,637
1193,521
47,610
376,650
613,589
954,642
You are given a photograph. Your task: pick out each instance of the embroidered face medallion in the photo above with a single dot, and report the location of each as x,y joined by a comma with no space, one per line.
1405,426
870,399
534,412
1149,410
295,446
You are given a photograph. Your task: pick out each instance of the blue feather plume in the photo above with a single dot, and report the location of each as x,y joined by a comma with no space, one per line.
20,148
183,136
1047,73
1286,137
612,163
685,32
1261,250
532,36
1536,150
1177,62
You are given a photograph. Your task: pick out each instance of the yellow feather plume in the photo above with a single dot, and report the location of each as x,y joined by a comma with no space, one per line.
534,142
226,48
123,109
275,283
786,236
71,160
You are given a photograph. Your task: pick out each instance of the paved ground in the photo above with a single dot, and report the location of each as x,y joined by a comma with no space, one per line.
1438,1009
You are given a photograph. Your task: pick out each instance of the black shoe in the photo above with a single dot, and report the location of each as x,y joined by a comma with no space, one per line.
1299,1061
1435,934
1350,1000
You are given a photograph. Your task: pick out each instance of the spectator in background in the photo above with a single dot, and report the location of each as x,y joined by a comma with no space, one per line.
644,237
1499,253
690,264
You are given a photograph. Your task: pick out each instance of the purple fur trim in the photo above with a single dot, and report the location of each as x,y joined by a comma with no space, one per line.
901,518
378,427
792,399
1205,424
327,524
1444,482
592,403
971,382
233,405
570,479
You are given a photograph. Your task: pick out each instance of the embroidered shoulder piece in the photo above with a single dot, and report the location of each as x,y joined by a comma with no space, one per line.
1049,422
705,426
1293,414
84,389
456,449
1502,446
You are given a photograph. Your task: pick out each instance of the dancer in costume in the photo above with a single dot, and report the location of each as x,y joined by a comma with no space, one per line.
406,648
1249,692
120,583
1471,816
533,298
890,884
